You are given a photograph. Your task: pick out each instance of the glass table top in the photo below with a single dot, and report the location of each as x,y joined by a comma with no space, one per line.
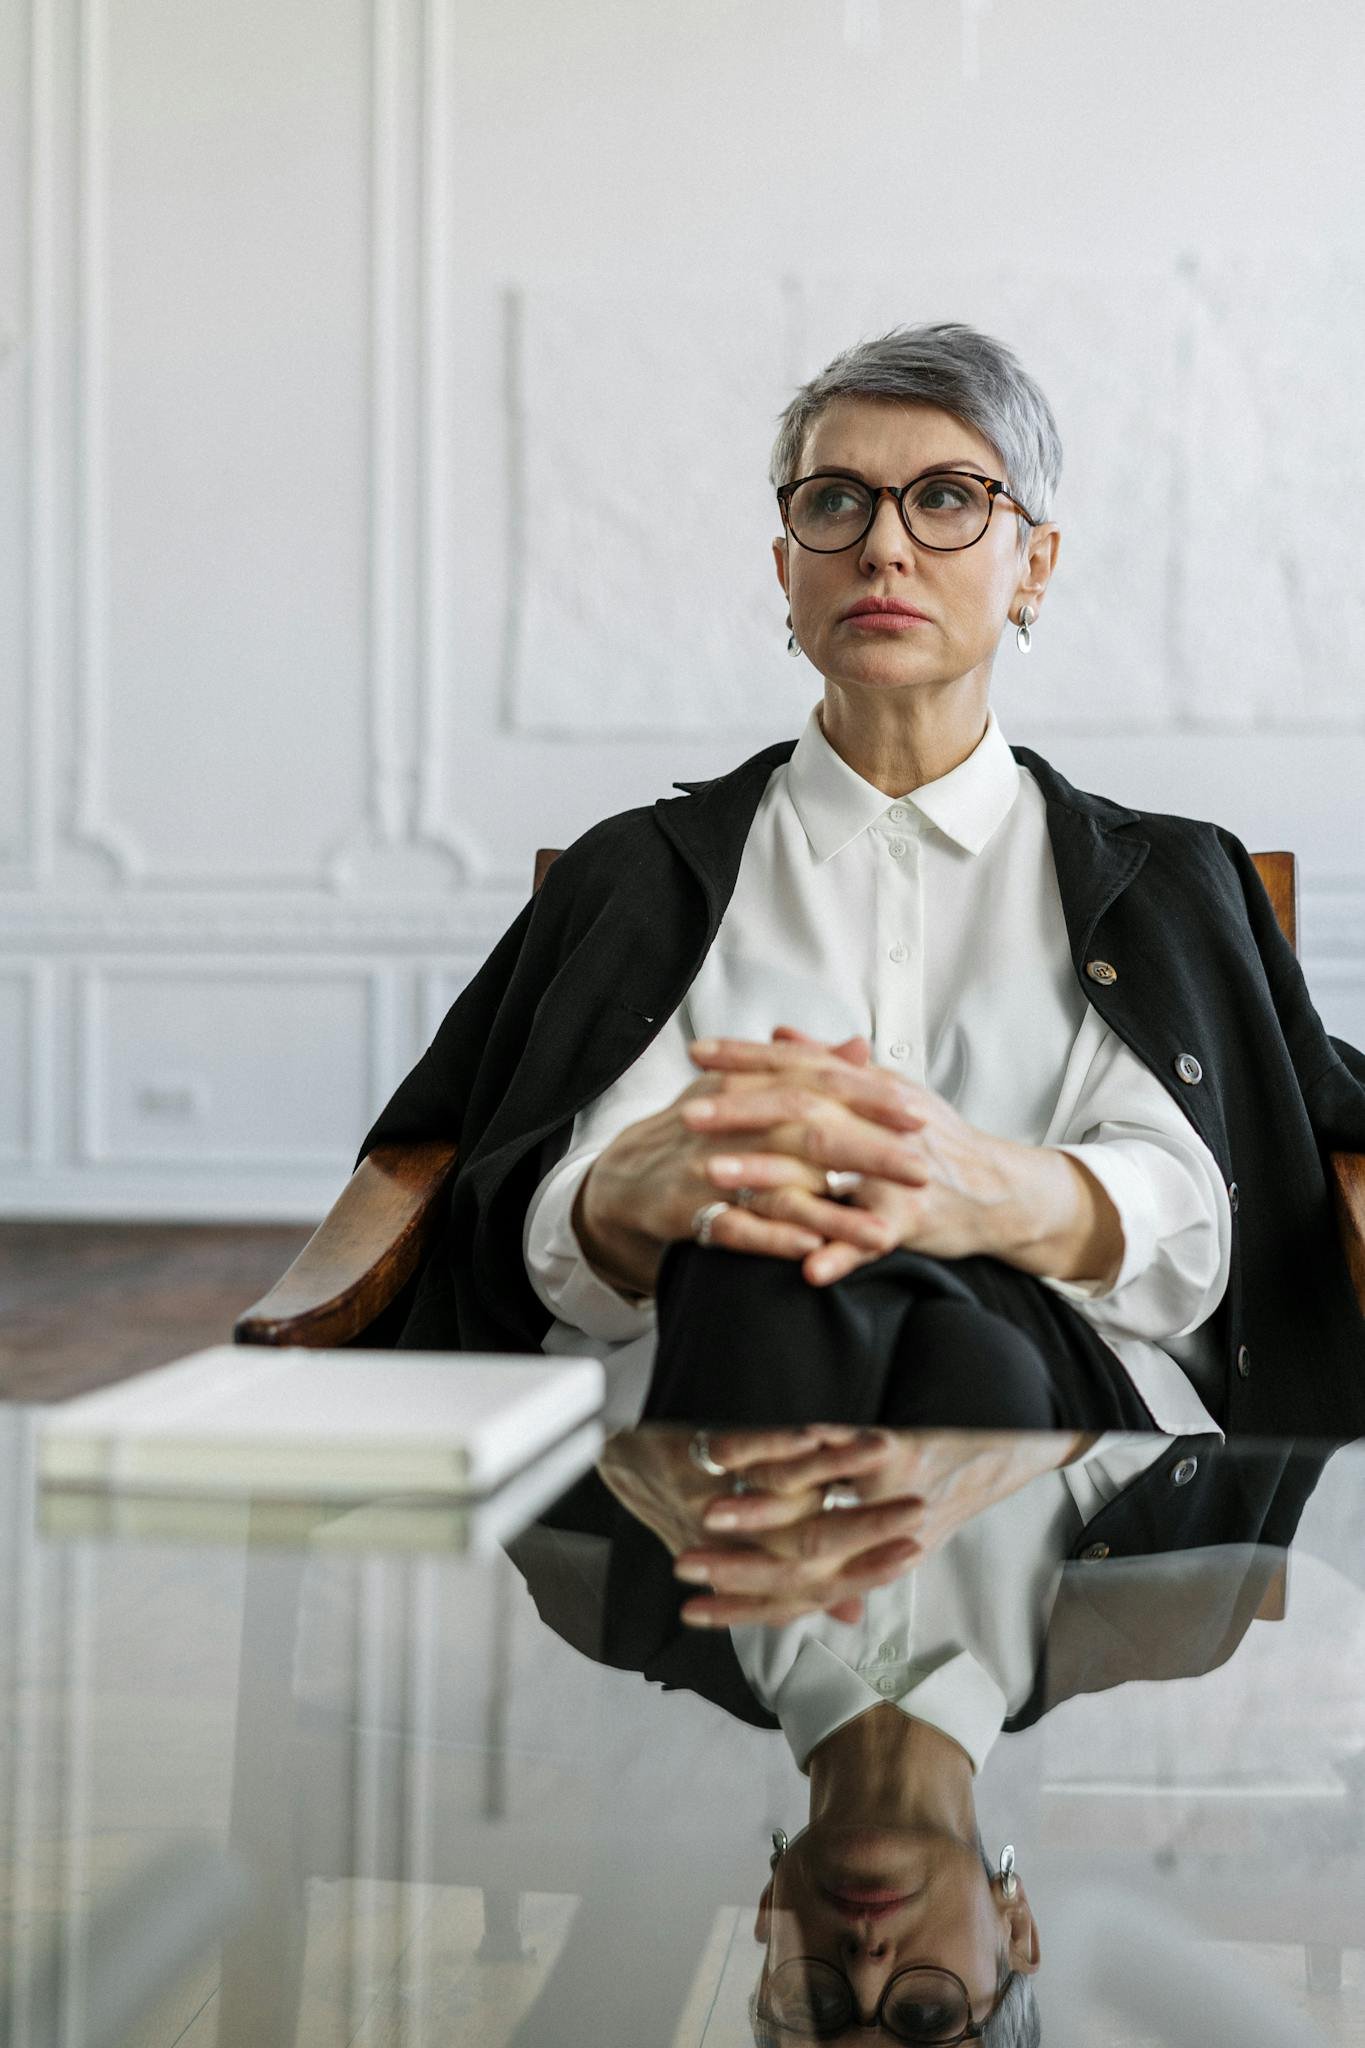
391,1774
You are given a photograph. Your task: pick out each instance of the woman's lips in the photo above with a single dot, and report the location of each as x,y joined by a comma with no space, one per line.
859,1897
885,621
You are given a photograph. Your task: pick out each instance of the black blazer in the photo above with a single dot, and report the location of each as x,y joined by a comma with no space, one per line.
587,973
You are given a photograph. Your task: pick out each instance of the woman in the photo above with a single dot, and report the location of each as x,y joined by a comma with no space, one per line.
1057,1049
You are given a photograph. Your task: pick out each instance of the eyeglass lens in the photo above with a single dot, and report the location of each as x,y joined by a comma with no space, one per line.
922,2006
827,513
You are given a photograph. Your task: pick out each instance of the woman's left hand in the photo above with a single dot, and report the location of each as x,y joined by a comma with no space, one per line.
945,1187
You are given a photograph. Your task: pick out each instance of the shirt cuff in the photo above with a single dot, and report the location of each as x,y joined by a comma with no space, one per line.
1130,1191
558,1269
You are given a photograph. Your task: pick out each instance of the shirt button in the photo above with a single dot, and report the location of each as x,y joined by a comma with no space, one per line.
886,1685
896,813
1093,1552
1234,1195
1101,971
900,1050
1183,1473
1188,1068
898,953
1243,1362
896,848
888,1650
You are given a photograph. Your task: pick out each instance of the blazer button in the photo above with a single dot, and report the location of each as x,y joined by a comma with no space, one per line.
1243,1362
1102,972
1188,1068
1183,1473
1234,1195
1093,1552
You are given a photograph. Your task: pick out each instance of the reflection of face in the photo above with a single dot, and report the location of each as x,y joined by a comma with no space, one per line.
965,594
938,1906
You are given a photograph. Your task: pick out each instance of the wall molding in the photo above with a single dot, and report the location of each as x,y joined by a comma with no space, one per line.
34,978
464,929
93,1145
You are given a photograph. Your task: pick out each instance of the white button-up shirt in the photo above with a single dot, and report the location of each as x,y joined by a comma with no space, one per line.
932,924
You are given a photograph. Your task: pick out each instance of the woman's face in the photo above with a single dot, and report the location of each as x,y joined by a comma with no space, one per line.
965,596
937,1906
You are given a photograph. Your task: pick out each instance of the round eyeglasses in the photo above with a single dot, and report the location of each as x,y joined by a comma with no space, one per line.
944,510
923,2005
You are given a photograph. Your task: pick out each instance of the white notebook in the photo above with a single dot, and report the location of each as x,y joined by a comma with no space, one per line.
334,1425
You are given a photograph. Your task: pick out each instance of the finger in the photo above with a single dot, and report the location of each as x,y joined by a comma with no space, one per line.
846,1610
802,1123
808,1556
833,1262
784,1493
739,1449
838,1221
886,1095
740,1230
857,1051
730,1610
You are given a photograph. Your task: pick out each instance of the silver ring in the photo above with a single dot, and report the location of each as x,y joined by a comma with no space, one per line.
742,1197
699,1451
839,1184
739,1486
704,1222
836,1496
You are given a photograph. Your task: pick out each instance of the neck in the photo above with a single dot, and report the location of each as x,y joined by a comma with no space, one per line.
898,739
886,1770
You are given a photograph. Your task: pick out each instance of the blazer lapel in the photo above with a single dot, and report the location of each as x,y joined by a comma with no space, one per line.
1095,853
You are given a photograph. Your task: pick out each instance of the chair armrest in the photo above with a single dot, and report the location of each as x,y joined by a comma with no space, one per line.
364,1250
1348,1178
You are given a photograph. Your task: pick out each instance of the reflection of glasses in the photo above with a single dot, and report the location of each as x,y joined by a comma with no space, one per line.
949,508
923,2005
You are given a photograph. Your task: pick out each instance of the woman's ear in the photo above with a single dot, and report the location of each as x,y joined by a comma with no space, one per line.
1025,1953
780,558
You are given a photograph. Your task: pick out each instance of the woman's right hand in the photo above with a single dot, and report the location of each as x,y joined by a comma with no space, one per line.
644,1189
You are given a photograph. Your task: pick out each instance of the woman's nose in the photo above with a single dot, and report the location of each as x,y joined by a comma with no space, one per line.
886,538
855,1946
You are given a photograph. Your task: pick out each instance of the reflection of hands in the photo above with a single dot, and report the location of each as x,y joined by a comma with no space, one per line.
935,1479
816,1561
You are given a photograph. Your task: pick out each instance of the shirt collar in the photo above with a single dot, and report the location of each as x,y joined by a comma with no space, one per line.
835,805
822,1692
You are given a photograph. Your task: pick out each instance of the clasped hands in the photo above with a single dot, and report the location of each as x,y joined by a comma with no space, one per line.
786,1114
775,1119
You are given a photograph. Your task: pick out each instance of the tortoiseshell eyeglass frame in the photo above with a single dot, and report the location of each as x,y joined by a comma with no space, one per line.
993,484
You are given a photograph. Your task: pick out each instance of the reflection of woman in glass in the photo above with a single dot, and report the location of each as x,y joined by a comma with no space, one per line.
891,1685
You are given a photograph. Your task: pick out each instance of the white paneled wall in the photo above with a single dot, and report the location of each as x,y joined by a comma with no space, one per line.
386,389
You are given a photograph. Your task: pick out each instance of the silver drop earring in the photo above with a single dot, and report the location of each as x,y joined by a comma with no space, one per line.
1023,636
1009,1883
793,647
779,1848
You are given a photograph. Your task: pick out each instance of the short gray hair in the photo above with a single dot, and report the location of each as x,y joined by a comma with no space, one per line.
960,371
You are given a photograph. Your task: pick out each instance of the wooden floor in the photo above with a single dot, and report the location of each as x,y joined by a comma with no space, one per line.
85,1303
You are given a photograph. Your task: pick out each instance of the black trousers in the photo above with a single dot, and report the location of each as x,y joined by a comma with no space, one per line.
907,1341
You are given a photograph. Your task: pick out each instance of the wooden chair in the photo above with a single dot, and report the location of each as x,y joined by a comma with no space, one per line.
356,1272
